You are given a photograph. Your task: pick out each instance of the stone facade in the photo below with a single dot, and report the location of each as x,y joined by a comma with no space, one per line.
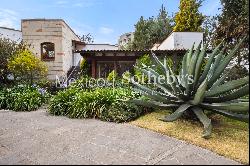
56,31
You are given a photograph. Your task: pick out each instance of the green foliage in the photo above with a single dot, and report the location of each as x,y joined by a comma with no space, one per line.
104,104
196,90
84,67
112,76
62,102
120,112
22,98
25,66
141,62
232,24
189,19
7,49
152,30
3,95
125,77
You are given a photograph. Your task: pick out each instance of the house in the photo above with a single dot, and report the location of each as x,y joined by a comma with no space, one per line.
11,34
55,43
102,62
180,40
125,39
100,47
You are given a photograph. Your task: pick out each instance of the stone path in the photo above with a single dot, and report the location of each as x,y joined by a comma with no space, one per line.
38,138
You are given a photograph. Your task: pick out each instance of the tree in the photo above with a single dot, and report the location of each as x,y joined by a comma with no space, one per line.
25,66
162,26
142,34
233,25
7,49
152,30
87,38
189,19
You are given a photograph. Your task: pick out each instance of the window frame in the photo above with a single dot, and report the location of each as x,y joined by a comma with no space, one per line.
47,58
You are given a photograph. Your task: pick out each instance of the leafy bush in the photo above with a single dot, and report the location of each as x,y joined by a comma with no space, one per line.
104,104
85,67
62,102
144,60
23,98
83,83
3,94
25,66
7,49
206,90
121,111
112,76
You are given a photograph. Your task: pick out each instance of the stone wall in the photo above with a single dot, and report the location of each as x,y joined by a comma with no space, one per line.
37,31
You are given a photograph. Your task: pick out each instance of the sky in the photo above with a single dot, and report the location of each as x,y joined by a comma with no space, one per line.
106,20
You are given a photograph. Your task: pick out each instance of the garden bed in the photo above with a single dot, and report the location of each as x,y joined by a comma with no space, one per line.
229,137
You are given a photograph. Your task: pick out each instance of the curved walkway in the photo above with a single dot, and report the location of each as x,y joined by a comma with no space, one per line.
38,138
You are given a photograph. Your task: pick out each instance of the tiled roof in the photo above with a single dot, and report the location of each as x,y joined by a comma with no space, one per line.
12,29
127,51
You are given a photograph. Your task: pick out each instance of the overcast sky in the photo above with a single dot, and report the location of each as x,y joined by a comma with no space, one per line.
106,20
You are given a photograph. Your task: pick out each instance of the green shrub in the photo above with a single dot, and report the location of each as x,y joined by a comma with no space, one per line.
23,98
113,76
107,104
3,94
83,83
121,111
27,67
85,67
7,49
62,102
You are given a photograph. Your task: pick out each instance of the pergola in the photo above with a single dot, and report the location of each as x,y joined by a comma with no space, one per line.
104,61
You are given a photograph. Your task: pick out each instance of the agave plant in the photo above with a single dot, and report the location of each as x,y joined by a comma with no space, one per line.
207,90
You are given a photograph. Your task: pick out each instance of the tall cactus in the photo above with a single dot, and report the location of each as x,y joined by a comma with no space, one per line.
208,89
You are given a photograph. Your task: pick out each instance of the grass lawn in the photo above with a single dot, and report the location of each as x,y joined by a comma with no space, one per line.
229,137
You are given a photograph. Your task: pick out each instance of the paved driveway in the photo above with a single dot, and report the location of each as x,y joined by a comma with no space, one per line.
38,138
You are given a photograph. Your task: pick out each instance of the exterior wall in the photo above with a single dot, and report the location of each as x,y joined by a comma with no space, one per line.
100,47
182,40
125,39
12,34
77,59
68,47
39,31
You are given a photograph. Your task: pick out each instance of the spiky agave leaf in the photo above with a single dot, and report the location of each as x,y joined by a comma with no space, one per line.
205,121
177,114
227,87
209,91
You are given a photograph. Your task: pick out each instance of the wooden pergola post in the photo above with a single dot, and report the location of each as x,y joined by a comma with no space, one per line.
93,71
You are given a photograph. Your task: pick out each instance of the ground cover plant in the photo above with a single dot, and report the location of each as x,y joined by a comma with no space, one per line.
207,90
107,103
23,98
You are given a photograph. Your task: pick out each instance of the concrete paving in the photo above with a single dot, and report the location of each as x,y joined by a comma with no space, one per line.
38,138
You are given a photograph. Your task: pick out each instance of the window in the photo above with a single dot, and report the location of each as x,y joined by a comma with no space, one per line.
48,51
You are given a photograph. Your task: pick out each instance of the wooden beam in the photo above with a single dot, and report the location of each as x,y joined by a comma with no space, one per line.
93,68
113,58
